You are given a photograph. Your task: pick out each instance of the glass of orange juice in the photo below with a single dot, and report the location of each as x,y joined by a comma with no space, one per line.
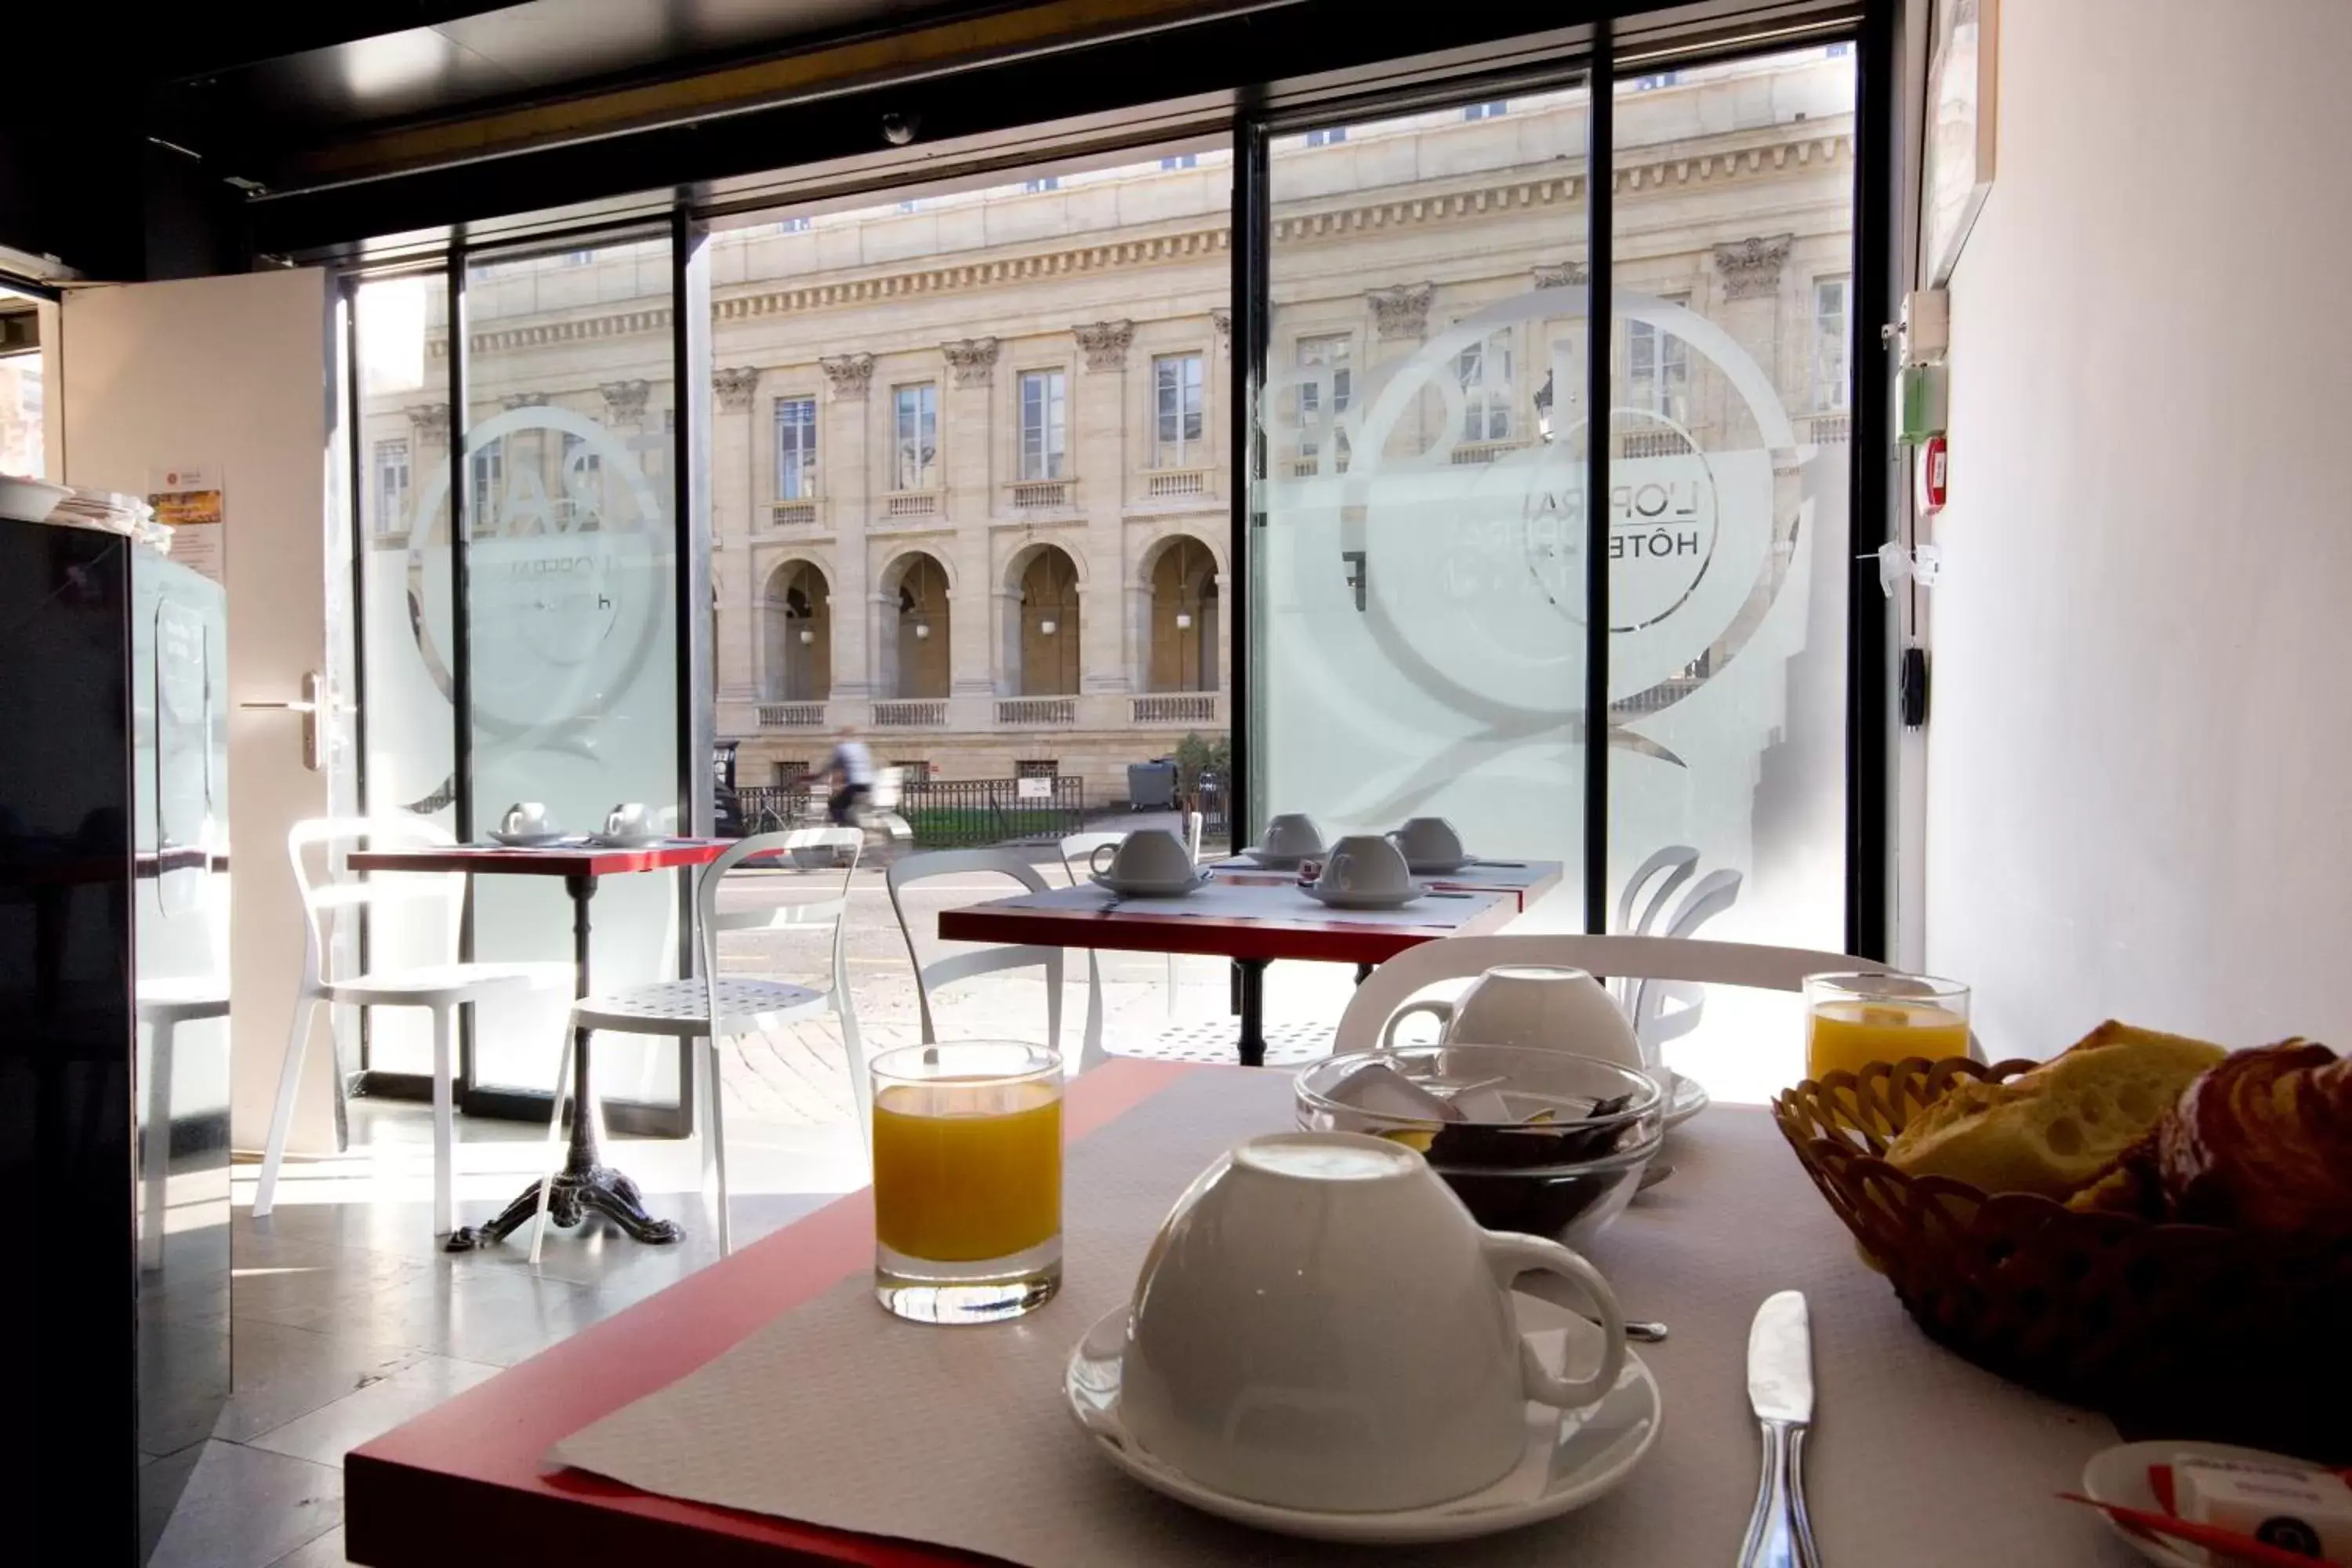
967,1180
1853,1020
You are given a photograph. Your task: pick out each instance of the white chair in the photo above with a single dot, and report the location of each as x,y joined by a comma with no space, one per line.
1655,958
716,1008
442,988
1078,849
961,966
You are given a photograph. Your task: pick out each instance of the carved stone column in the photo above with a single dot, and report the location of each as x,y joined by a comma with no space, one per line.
968,428
1748,306
737,517
845,490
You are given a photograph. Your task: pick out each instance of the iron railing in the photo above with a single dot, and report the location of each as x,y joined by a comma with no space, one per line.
967,814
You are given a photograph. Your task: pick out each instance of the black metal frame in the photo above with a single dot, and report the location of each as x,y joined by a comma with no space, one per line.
1252,200
1599,348
1870,626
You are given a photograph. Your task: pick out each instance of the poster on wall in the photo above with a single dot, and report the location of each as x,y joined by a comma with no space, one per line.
1961,132
189,500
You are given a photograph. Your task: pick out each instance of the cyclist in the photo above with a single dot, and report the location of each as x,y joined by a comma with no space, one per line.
850,771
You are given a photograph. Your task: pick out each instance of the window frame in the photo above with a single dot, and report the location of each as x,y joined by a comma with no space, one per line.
1824,396
1191,450
1666,390
390,513
1483,398
926,459
1051,453
800,463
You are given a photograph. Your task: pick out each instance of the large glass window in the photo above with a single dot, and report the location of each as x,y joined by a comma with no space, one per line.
795,447
1176,400
915,446
23,439
1044,434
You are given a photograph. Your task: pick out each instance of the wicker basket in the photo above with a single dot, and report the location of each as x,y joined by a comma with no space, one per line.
2194,1330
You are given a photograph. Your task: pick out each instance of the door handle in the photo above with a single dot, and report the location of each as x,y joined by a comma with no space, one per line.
315,699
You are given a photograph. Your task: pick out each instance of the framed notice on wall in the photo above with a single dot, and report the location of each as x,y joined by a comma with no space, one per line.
1961,134
189,500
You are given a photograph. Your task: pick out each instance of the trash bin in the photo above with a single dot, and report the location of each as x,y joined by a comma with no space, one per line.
1152,786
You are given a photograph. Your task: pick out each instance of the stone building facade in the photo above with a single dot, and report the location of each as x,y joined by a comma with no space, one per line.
971,462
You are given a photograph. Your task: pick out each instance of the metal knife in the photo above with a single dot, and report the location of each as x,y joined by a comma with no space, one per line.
1781,1390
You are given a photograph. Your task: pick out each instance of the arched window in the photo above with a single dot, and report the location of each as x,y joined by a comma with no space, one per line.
920,643
1048,594
798,631
1184,617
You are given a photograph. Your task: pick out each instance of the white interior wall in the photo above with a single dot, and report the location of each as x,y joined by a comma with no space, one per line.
232,371
2139,747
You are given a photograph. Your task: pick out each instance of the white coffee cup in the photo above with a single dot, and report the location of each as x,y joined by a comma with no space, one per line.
1540,1004
1429,840
627,820
1320,1325
1365,863
1292,833
1149,855
526,817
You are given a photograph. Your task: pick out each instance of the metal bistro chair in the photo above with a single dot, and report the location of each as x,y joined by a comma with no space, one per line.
716,1008
962,966
442,988
1078,848
1649,957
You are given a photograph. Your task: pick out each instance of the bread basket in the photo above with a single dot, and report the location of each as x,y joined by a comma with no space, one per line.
2196,1330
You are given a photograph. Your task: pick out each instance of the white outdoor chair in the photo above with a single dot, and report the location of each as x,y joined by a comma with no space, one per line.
1655,958
962,966
1077,850
442,988
716,1008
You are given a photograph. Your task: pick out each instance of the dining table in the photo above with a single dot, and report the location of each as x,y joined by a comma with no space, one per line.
1253,916
585,1185
767,1410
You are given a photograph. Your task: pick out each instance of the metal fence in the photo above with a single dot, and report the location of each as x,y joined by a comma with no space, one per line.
945,814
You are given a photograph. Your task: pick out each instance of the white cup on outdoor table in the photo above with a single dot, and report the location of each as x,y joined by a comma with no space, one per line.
526,817
1149,857
1292,833
1548,1005
1365,864
628,820
1429,841
1320,1325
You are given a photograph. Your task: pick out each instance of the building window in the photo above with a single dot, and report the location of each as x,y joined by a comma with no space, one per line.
1332,377
1326,136
1044,424
908,205
579,258
1839,51
793,225
485,488
1037,768
1831,342
1658,363
1043,182
913,771
1656,81
391,486
795,449
1486,110
1176,394
915,449
1484,369
580,480
790,773
1181,160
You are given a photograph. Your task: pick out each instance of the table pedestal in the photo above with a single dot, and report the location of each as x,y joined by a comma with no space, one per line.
585,1185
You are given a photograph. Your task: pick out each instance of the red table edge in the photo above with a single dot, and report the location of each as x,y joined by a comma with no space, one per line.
1133,931
465,1482
584,860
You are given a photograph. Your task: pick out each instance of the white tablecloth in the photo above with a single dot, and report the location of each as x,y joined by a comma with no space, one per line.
839,1414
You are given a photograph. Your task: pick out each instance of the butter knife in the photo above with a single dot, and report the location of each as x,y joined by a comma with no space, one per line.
1781,1390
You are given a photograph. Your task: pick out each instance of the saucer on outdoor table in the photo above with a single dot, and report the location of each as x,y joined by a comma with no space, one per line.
1175,889
1571,1457
626,840
2119,1476
1395,899
1273,861
525,840
1445,867
1685,1098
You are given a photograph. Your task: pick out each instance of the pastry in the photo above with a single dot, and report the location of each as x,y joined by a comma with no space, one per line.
2263,1142
2060,1127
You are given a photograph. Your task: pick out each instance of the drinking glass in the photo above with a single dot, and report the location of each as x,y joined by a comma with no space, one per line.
967,1180
1853,1020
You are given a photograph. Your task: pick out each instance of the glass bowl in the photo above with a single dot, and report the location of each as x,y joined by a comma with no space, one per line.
1565,1167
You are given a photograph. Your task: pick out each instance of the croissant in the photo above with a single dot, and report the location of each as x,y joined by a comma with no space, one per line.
2262,1142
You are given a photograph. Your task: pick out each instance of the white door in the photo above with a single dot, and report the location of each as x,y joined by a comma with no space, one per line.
233,376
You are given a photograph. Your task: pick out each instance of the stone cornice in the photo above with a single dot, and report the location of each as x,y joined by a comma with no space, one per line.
1669,166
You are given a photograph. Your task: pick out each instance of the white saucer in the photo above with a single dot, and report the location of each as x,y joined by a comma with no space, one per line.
2119,1475
1571,1457
1686,1099
1363,901
526,840
1440,868
626,840
1150,889
1273,862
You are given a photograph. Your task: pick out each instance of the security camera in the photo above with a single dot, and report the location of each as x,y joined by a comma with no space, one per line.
898,129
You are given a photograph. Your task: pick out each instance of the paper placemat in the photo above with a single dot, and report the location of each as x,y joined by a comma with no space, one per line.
1263,901
839,1414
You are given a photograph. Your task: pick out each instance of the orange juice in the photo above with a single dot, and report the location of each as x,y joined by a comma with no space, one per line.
965,1172
1850,1034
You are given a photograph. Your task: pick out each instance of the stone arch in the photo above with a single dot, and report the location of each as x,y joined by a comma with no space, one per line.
918,627
1181,576
1044,585
796,633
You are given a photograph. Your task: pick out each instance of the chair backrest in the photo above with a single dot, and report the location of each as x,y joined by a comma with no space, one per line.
711,920
1391,986
1078,849
1194,823
334,888
959,967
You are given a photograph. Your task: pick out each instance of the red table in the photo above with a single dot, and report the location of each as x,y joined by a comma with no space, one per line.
467,1483
1525,881
1252,943
586,1183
